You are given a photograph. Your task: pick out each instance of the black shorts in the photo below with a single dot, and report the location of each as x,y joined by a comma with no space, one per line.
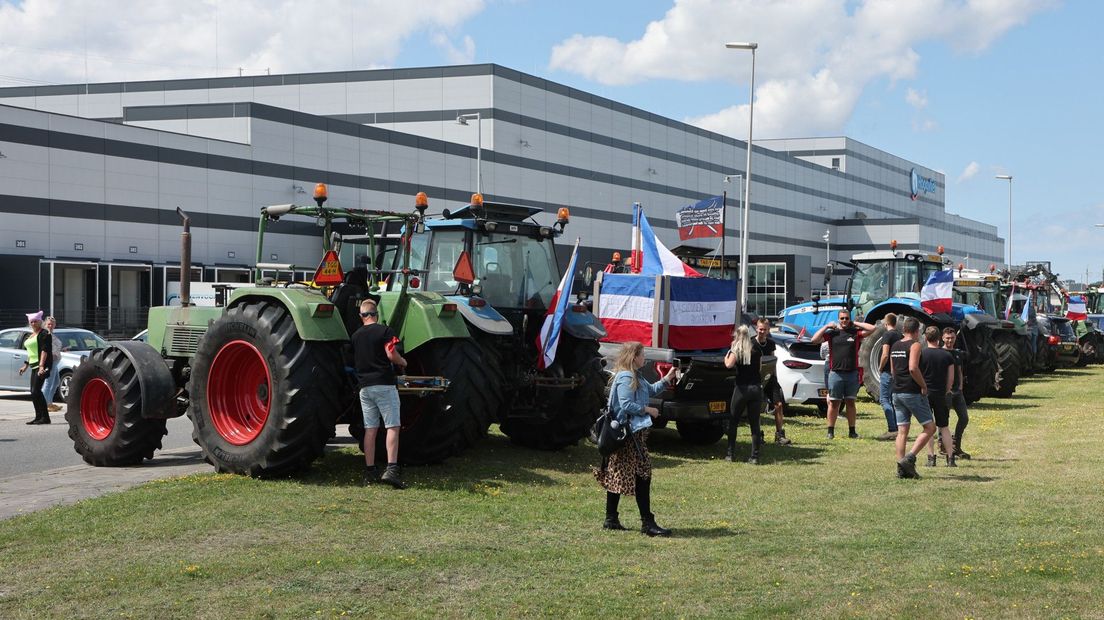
940,410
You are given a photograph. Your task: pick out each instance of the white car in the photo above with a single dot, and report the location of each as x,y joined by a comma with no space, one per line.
75,343
800,370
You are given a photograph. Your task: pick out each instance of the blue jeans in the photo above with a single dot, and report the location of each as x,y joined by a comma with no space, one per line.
885,399
380,403
50,387
912,404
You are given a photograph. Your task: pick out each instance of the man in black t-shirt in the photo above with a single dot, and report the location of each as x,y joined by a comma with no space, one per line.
375,350
937,366
885,380
772,391
843,367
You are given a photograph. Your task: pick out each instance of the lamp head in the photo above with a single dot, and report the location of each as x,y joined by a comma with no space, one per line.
741,45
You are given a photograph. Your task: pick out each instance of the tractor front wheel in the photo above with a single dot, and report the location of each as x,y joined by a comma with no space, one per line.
579,408
105,412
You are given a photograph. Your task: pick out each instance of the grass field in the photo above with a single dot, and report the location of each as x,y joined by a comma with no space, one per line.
820,529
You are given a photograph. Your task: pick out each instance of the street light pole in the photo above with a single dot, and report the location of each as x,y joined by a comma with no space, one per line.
478,118
747,174
827,260
1008,177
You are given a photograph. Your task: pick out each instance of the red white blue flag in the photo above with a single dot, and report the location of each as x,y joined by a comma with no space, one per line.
702,219
649,255
1075,310
935,297
549,338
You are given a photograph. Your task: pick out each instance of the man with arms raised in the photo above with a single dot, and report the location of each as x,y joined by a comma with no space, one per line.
843,363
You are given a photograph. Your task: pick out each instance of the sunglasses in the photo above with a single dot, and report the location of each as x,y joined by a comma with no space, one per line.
369,314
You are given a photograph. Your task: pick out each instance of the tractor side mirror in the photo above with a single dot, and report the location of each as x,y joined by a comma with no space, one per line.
588,276
828,271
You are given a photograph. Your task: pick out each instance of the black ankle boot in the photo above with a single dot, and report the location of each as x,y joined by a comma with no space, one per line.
756,443
613,523
651,528
958,453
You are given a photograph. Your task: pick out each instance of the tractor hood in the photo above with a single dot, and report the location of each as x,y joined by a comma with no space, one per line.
813,316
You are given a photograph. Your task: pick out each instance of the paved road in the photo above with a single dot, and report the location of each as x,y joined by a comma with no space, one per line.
39,469
25,449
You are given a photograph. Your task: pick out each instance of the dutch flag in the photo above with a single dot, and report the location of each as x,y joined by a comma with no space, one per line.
649,255
1075,310
549,338
935,297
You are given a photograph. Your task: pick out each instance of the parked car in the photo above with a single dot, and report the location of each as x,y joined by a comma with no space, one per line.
1058,342
75,344
800,369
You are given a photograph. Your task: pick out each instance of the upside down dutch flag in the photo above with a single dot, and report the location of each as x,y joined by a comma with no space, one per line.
549,338
1075,310
935,297
649,255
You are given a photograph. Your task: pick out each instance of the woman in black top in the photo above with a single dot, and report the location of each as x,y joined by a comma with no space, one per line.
747,394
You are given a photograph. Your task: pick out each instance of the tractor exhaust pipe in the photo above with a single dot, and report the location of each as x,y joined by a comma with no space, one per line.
185,260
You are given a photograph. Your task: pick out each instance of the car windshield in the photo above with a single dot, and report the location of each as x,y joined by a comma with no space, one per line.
1065,329
80,341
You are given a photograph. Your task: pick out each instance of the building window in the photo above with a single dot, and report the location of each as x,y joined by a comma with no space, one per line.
766,288
835,163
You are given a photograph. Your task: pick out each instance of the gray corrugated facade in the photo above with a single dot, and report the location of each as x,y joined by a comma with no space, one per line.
102,167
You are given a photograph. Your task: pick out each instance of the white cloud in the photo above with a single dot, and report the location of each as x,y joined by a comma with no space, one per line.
969,172
462,55
815,56
916,99
45,40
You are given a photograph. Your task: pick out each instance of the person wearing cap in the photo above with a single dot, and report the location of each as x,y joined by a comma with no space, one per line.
40,361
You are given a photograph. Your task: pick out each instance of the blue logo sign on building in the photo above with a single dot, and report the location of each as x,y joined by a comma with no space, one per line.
919,184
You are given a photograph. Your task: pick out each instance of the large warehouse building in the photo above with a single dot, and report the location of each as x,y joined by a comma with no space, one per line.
91,176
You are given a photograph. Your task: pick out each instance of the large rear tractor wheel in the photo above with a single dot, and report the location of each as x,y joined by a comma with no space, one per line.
437,427
980,371
263,400
1088,351
1009,364
870,356
579,407
105,412
1027,358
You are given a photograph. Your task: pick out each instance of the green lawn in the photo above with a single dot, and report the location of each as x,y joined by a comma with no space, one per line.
820,529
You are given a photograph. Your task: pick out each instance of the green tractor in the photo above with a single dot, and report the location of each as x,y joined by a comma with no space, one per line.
265,375
1010,337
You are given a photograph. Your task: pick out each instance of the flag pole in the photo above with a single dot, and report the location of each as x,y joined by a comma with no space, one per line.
724,202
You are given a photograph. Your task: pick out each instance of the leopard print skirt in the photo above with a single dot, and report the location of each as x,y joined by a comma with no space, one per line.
625,466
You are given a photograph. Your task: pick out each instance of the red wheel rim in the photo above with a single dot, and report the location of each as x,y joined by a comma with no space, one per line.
239,394
97,409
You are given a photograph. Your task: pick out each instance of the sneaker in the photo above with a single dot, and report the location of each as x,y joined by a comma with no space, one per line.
53,407
831,433
931,460
391,476
370,476
907,466
852,435
781,439
951,461
887,436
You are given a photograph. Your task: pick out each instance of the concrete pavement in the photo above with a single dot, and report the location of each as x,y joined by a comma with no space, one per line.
34,490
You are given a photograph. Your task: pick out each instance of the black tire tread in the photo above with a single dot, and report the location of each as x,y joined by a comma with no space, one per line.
134,438
1008,363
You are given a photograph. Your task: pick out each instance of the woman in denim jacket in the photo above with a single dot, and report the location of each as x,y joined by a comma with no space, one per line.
629,470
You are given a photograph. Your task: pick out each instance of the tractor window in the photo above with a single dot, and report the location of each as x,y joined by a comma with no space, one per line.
444,252
872,282
515,271
393,260
906,280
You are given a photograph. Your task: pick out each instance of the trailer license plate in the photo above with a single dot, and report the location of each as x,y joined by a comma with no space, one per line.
717,406
822,391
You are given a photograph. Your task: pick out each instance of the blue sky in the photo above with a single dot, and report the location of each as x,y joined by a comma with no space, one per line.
971,88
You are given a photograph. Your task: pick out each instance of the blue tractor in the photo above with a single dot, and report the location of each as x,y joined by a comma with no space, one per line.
887,281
